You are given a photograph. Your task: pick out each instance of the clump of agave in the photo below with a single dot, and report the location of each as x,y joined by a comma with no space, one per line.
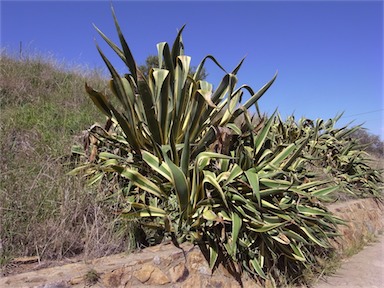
184,166
334,155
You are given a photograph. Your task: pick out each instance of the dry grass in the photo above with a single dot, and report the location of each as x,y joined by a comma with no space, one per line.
43,211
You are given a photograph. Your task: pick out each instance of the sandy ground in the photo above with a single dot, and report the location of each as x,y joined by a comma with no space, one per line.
365,269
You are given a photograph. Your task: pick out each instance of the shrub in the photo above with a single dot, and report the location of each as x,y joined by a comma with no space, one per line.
374,145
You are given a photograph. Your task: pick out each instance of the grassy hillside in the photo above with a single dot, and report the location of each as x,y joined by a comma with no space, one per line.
44,110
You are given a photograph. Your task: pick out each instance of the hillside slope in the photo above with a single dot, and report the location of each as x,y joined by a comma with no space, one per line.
44,109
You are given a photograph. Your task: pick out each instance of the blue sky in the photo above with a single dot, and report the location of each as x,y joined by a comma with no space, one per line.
329,54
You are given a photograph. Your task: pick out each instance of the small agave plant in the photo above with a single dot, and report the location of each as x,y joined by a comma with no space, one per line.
184,165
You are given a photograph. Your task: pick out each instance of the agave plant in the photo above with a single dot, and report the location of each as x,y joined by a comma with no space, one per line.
186,167
345,160
171,113
248,207
170,107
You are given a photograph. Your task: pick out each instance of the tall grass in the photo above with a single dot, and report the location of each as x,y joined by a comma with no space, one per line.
43,211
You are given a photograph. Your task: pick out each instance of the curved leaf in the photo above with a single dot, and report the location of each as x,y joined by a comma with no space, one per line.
139,180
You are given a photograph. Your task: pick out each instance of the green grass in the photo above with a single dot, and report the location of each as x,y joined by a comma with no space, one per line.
44,212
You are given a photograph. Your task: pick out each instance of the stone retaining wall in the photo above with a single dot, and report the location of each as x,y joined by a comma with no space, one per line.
365,218
167,266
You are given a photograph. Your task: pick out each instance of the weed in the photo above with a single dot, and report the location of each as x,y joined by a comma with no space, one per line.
91,277
359,245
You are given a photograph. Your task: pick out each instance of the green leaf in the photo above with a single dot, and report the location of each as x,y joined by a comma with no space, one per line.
311,184
276,161
265,228
78,149
312,211
180,94
99,100
313,238
158,80
252,100
296,155
107,155
325,191
213,254
96,178
201,65
221,90
164,52
129,60
180,183
117,84
203,158
129,131
177,47
236,227
236,129
114,47
163,110
77,170
281,238
157,165
253,179
107,163
275,183
140,181
293,235
256,265
297,253
209,177
185,155
267,204
235,172
237,68
150,112
209,215
260,138
144,211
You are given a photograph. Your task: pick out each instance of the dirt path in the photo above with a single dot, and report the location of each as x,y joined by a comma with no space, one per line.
365,269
